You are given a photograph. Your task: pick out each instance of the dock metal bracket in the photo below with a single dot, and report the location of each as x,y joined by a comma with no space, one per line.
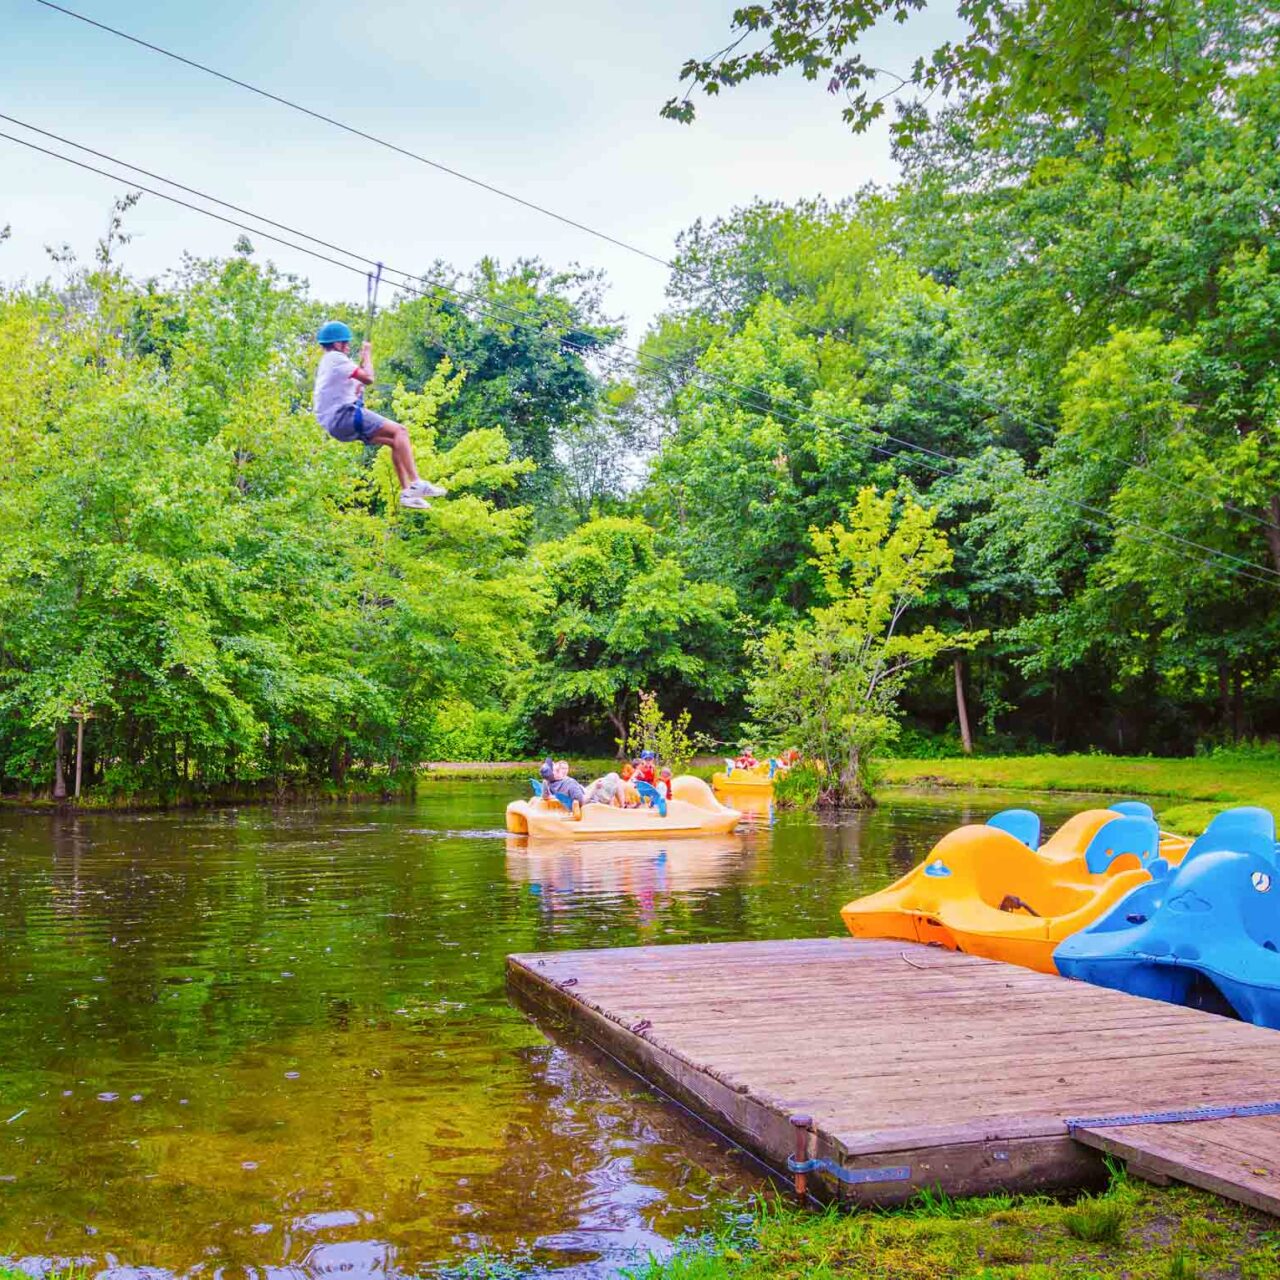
1184,1115
800,1166
888,1173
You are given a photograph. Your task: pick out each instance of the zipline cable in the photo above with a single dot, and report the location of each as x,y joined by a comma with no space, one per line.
1003,410
361,133
170,182
1248,569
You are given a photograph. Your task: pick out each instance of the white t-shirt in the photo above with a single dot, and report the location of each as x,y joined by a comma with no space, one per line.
335,387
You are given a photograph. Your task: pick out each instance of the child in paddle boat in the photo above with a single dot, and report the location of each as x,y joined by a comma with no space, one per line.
606,789
557,783
664,783
565,787
339,408
627,772
644,768
746,760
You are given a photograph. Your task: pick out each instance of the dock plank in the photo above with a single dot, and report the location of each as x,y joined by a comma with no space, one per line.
1238,1157
961,1069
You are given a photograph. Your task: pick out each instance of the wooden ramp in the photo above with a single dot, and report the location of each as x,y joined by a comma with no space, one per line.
1238,1157
910,1067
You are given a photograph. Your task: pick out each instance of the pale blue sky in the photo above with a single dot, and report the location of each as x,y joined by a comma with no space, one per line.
556,103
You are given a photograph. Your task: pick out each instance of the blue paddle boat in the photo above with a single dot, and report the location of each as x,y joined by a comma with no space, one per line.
1205,933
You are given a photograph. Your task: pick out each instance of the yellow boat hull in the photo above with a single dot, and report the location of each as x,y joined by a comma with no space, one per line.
742,780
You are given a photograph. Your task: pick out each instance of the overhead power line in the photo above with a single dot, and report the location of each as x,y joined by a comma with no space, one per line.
361,133
1236,565
1129,463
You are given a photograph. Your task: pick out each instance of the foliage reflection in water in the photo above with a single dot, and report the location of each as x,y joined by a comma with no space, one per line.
278,1041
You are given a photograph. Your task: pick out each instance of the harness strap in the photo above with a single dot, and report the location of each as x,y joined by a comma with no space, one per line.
358,420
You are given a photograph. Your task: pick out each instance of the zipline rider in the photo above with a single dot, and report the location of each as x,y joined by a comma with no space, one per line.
340,411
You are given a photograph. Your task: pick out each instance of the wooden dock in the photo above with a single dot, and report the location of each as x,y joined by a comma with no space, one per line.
899,1066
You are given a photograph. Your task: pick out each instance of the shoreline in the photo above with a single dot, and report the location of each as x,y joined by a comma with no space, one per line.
266,794
1197,787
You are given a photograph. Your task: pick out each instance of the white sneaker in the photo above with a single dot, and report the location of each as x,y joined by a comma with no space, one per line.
414,500
425,489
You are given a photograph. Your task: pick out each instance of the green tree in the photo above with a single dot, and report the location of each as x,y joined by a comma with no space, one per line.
625,619
525,339
1147,500
598,454
187,559
830,683
834,352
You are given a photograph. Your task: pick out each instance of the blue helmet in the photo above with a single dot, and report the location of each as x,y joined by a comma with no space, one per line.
646,755
333,331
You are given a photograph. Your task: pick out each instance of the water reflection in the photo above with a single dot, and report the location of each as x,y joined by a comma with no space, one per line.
561,873
758,805
278,1043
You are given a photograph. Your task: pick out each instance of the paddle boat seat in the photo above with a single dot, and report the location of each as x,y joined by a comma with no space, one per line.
1243,829
550,798
652,796
1133,809
1072,842
1125,836
1022,824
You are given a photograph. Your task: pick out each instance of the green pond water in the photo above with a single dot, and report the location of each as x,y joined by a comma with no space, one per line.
277,1042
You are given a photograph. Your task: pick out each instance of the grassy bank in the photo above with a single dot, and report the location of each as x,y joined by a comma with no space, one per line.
1132,1231
519,770
507,770
1195,788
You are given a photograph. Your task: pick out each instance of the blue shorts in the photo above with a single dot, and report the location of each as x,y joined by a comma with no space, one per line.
353,422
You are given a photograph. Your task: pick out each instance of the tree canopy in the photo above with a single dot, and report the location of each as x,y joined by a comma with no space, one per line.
1121,67
624,620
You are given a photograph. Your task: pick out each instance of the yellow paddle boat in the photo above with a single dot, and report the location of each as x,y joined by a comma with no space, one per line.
757,780
992,890
691,811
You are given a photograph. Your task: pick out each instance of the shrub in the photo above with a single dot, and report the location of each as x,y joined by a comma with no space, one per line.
671,740
797,788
